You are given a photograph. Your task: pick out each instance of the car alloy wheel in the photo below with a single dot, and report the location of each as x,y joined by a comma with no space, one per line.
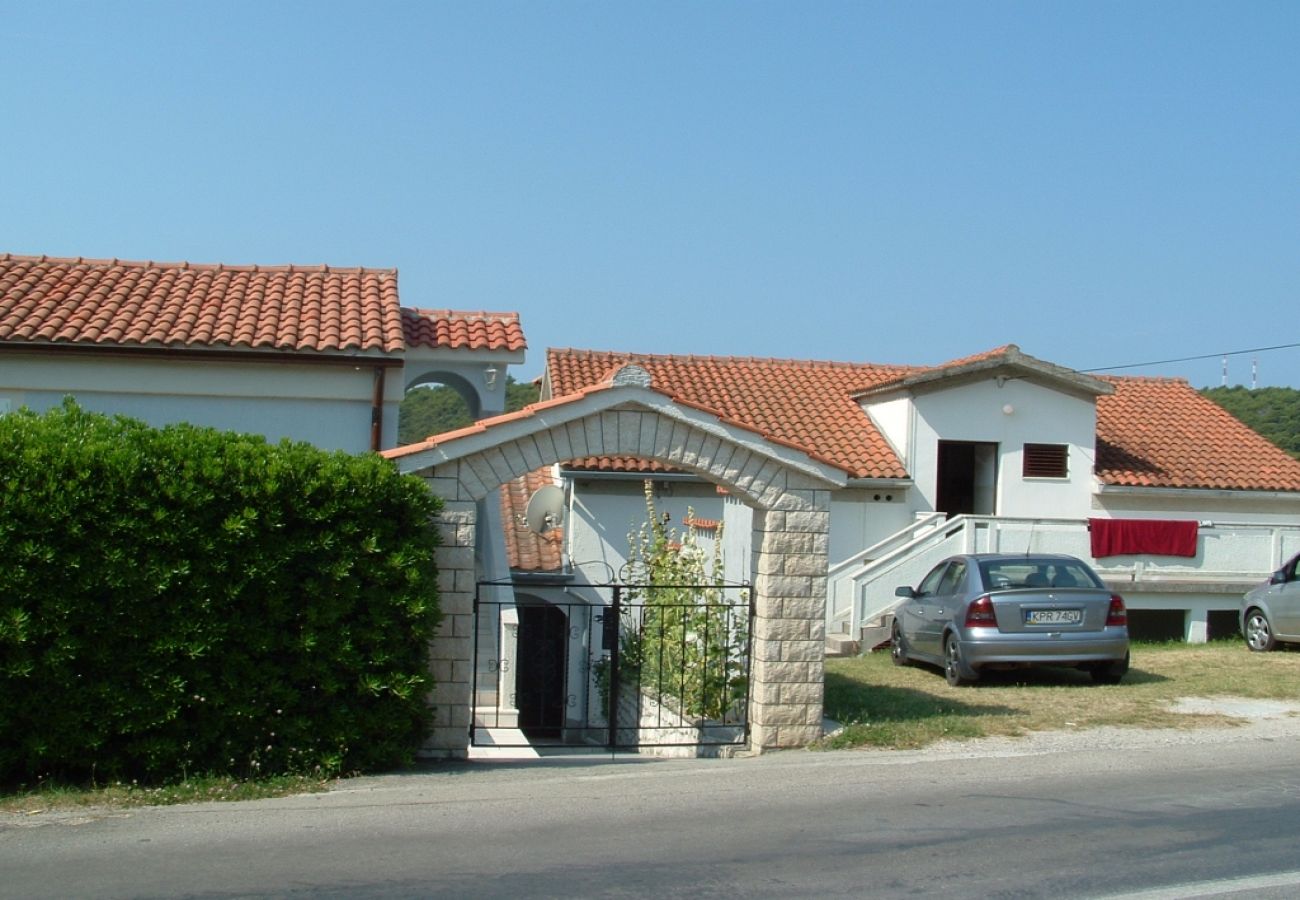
952,664
1259,633
897,649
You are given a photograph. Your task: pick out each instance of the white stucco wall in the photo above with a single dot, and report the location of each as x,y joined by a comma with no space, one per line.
326,405
602,512
1222,507
861,517
1038,415
737,540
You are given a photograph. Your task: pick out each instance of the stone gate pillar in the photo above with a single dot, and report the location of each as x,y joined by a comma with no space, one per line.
451,652
791,547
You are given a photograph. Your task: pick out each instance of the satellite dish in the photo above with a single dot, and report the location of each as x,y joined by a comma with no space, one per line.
545,509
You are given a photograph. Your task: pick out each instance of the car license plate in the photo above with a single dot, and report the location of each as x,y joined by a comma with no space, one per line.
1053,616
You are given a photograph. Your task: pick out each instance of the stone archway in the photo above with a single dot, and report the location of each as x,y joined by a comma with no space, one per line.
788,490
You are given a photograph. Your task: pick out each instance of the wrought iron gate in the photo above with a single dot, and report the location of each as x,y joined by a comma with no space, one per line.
643,666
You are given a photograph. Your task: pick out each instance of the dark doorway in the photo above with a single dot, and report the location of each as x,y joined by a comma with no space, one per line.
539,684
967,478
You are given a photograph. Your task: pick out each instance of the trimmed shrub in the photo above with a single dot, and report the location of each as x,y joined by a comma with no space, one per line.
185,600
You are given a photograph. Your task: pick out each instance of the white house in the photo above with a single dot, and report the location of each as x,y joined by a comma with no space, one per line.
900,465
997,451
312,353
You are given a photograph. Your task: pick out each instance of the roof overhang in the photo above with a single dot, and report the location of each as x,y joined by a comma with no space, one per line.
420,353
882,484
1008,365
1151,491
626,474
195,352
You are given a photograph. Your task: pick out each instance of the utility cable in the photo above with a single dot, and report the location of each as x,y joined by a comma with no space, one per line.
1162,362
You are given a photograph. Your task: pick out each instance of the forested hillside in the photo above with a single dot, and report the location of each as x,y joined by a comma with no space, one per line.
1272,411
436,409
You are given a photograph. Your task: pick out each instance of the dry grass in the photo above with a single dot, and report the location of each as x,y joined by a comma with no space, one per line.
881,705
119,795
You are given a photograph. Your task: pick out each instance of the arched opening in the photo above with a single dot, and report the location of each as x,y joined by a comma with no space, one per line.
434,406
787,495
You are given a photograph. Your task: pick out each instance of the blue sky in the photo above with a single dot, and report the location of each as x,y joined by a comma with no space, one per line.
1102,183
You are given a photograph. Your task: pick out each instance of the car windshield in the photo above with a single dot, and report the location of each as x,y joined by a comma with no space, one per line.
1030,572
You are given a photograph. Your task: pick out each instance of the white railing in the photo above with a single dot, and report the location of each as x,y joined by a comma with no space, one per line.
861,589
840,594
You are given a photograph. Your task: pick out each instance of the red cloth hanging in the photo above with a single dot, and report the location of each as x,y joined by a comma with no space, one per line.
1156,537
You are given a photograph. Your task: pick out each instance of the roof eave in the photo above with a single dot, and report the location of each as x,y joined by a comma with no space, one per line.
371,356
628,475
884,484
1243,494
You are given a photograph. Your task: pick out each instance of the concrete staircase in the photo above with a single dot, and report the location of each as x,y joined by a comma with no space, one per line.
871,636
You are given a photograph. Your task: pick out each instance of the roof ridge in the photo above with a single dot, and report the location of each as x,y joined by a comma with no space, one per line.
202,267
1153,379
765,360
460,313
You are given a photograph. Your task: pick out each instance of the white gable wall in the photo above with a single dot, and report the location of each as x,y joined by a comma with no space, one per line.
894,418
1011,415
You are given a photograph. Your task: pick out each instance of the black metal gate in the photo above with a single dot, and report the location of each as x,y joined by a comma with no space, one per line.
640,666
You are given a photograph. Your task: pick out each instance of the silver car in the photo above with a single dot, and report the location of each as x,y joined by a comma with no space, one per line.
986,610
1270,613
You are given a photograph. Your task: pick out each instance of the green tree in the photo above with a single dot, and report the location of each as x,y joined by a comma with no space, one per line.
1273,412
434,410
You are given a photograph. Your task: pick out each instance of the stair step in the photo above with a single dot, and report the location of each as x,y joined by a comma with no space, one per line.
875,636
842,645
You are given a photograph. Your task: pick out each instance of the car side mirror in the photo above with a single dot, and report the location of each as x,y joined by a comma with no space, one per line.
904,591
1278,577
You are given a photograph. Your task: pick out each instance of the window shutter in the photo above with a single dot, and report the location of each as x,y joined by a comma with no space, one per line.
1046,461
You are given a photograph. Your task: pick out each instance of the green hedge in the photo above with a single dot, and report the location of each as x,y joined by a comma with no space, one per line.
183,600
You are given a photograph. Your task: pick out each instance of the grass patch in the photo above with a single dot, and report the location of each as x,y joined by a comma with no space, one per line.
881,705
47,797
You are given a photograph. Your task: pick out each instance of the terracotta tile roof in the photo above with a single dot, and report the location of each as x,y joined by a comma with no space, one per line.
701,524
995,353
1160,432
805,404
451,330
619,464
1153,432
526,550
96,302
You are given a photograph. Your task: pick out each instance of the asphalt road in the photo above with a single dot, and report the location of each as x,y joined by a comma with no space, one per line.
1150,815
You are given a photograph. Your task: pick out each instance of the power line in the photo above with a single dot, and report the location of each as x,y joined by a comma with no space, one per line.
1162,362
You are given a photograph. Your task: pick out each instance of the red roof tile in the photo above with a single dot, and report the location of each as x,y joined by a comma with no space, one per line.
452,330
1160,432
804,404
148,304
525,549
619,464
1155,432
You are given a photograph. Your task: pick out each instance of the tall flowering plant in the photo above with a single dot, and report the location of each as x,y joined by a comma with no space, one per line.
691,643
